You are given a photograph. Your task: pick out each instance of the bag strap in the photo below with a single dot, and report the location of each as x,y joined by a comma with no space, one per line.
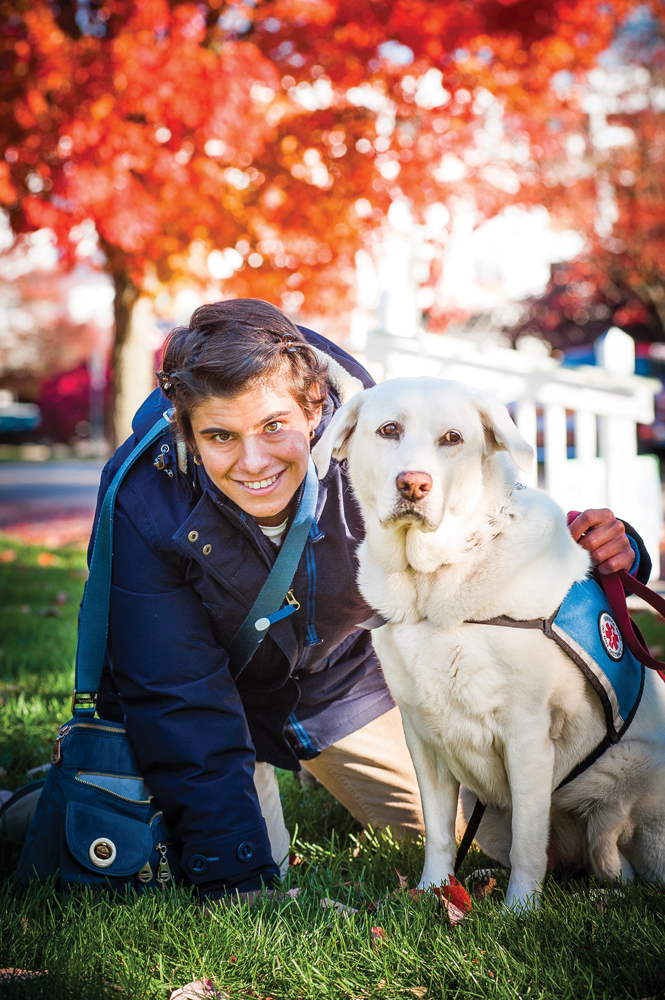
94,620
253,630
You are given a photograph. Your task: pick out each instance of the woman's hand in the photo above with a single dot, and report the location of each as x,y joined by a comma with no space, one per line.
599,532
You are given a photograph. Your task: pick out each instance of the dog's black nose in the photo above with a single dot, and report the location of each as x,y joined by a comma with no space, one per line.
414,485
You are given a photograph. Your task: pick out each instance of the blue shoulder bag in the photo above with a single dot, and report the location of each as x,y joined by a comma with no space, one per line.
96,821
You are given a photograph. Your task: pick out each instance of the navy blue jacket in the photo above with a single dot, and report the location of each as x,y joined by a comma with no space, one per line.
194,730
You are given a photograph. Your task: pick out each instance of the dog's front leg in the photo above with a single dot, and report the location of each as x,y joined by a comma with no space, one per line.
529,761
439,791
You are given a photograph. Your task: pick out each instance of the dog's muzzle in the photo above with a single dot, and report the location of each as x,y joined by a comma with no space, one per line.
409,514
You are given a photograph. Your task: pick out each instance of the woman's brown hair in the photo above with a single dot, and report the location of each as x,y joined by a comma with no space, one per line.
232,346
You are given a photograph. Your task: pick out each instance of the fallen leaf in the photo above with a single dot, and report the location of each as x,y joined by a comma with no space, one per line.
377,936
454,899
8,974
232,959
418,991
416,894
202,989
455,915
341,908
486,889
457,894
381,983
403,882
294,892
295,859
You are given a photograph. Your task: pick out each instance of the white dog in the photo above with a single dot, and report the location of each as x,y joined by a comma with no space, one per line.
502,711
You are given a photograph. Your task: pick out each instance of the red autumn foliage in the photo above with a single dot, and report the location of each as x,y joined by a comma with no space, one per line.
219,123
180,128
455,893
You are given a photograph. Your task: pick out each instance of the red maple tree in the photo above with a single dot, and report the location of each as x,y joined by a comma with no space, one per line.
278,132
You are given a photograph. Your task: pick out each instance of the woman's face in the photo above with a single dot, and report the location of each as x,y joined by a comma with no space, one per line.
255,448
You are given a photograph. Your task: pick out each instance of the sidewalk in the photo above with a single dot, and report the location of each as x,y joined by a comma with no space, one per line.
48,503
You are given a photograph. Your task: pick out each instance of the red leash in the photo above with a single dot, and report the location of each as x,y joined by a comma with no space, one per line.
615,585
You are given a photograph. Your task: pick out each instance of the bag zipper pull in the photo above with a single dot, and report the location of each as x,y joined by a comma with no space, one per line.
56,752
145,875
163,870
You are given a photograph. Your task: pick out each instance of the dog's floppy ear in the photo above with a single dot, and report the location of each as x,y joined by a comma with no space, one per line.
500,431
338,433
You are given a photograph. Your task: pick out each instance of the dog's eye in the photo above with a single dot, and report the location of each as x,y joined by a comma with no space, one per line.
389,430
451,437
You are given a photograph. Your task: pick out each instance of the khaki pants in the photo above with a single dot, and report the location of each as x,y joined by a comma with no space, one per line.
370,772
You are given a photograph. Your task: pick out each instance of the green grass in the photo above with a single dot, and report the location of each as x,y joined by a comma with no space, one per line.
583,942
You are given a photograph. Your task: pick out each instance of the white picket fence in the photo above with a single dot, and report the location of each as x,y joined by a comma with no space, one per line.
599,405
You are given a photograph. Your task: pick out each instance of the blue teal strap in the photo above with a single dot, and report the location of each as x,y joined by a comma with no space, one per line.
93,628
248,638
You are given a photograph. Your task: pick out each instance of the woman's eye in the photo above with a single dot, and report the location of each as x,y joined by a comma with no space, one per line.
274,426
389,430
451,437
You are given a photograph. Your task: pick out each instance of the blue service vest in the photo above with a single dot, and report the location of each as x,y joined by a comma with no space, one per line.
583,626
585,629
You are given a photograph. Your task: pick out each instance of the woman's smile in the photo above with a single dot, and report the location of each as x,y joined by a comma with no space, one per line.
262,484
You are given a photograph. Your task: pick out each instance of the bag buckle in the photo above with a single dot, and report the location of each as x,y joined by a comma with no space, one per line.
292,600
84,701
292,605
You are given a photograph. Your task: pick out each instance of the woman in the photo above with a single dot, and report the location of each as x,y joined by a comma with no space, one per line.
199,520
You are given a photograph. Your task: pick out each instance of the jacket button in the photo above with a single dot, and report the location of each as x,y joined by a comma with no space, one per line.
192,536
198,865
245,851
207,549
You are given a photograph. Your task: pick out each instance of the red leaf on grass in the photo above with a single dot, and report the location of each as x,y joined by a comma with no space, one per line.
455,893
377,936
416,894
454,899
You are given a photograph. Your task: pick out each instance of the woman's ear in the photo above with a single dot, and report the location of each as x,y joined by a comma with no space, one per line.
334,440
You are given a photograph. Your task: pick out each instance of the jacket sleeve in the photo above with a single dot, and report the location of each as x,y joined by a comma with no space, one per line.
184,718
641,568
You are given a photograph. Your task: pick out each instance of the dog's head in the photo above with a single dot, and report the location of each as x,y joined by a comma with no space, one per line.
419,448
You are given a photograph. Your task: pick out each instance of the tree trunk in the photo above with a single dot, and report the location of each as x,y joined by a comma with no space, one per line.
133,356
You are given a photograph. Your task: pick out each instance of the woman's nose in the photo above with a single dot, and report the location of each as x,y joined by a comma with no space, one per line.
253,458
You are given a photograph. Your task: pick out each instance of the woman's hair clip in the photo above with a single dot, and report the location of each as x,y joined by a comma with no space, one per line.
288,342
165,380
